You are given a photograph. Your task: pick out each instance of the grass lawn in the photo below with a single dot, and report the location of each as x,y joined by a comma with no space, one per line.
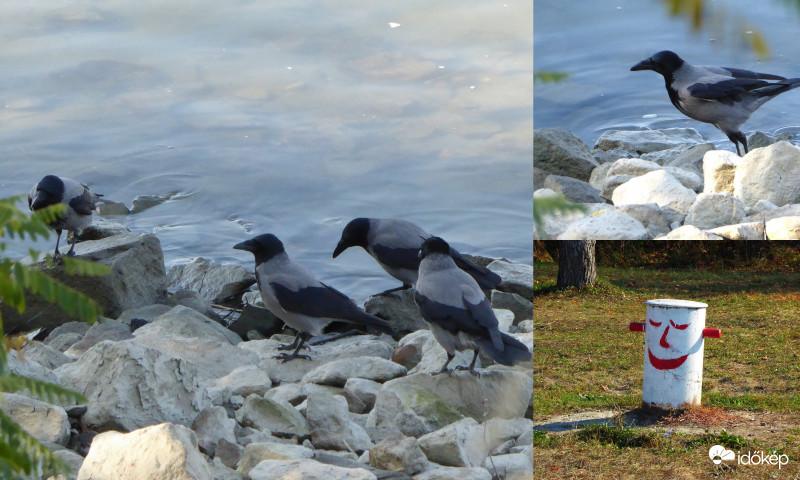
585,359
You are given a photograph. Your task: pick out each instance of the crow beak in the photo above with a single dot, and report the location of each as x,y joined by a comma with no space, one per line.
340,247
643,65
246,245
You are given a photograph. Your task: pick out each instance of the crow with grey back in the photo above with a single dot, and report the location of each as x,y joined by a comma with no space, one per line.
459,315
293,294
79,202
395,245
724,97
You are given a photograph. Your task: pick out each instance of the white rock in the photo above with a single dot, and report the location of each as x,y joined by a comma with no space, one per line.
783,228
517,277
244,380
360,394
554,223
181,321
398,454
130,385
164,451
514,466
740,231
770,173
29,368
111,330
44,355
306,469
459,444
337,372
655,187
689,232
711,210
214,281
690,180
650,216
454,473
271,415
613,225
719,169
331,426
418,404
211,425
433,355
45,422
634,167
255,453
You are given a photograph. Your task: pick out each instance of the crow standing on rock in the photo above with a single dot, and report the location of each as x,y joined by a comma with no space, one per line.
724,97
459,315
79,200
293,294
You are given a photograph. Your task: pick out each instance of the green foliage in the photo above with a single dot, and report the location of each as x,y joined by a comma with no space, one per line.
543,207
549,77
20,453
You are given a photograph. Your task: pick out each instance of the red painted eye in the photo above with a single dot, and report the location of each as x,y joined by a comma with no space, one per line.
654,323
679,327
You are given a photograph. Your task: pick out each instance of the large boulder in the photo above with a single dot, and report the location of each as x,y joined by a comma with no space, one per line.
646,141
137,278
214,281
783,228
306,469
164,451
421,403
398,453
272,415
611,225
573,189
516,277
719,170
771,173
212,425
45,422
398,309
658,187
560,152
459,444
711,210
331,425
337,372
130,385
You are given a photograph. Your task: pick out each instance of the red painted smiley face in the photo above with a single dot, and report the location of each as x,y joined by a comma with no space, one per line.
666,363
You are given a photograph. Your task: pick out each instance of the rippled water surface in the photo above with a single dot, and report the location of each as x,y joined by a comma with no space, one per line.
282,117
595,42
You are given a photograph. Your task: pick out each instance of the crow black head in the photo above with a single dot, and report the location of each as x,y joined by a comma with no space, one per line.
664,62
434,245
353,235
263,247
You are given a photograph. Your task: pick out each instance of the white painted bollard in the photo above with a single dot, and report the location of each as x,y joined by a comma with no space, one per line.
673,352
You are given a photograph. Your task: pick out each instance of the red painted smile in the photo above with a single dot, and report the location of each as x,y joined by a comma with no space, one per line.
669,364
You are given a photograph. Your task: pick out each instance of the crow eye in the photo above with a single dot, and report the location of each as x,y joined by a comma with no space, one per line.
654,323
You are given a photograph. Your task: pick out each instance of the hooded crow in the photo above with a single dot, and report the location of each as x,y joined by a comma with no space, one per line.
724,97
293,294
395,245
79,200
459,315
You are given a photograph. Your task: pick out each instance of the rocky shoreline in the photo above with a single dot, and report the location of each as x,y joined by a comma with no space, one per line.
668,185
178,388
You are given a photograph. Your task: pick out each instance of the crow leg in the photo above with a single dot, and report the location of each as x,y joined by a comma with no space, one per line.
737,138
444,369
58,239
471,367
71,251
293,345
335,337
291,356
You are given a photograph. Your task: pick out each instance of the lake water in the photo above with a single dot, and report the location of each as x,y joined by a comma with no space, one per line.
289,118
595,42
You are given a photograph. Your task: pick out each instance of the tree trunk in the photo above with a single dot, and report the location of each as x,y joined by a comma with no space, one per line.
576,263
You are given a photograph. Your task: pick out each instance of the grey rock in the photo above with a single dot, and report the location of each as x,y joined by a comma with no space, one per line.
692,159
244,380
186,322
398,454
109,330
711,210
220,471
598,177
635,167
63,341
613,225
512,466
331,426
538,177
573,189
214,281
143,202
137,278
28,368
69,327
195,301
516,277
768,213
131,456
646,141
45,355
212,425
455,473
663,157
147,314
130,385
771,173
418,404
256,453
73,460
108,208
521,307
611,183
306,469
655,187
692,181
102,228
337,372
689,232
229,453
255,318
272,415
398,309
45,422
740,231
603,157
433,355
719,170
761,139
360,394
649,215
783,228
560,152
459,444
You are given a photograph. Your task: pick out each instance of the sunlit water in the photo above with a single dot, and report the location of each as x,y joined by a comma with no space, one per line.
290,118
597,41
